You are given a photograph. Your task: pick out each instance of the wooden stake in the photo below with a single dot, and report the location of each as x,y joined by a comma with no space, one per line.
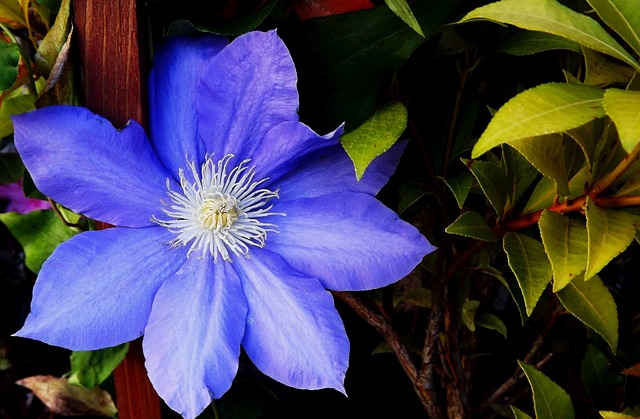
113,67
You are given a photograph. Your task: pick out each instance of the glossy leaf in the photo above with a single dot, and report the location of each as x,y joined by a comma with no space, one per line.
492,181
615,415
545,109
468,313
530,264
623,107
610,232
375,136
591,302
565,241
528,43
471,224
550,401
519,414
492,322
542,196
403,11
597,375
460,186
91,368
9,58
67,399
623,16
552,17
39,233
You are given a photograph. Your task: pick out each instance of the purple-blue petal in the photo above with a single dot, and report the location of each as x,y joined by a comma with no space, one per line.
349,241
81,161
96,289
294,333
247,89
173,89
330,170
192,340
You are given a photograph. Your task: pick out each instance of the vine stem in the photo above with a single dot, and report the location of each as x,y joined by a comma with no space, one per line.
384,327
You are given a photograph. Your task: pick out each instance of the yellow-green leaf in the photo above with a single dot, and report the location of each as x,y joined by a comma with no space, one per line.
623,16
460,186
493,182
550,401
468,313
552,17
545,109
623,107
375,136
54,40
565,241
609,233
492,322
403,11
591,302
519,414
530,264
542,196
471,224
91,368
615,415
601,71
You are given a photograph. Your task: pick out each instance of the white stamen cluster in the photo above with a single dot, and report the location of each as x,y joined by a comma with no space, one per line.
219,212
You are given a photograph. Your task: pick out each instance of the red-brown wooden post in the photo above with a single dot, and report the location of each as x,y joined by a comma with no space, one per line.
111,54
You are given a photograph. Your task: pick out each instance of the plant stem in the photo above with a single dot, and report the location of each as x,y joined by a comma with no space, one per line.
612,176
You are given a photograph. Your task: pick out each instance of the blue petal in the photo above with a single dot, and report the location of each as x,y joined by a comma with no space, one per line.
96,289
294,333
192,340
330,170
81,161
247,89
173,88
349,241
287,146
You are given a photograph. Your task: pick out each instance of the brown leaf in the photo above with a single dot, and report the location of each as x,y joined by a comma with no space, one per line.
68,399
635,370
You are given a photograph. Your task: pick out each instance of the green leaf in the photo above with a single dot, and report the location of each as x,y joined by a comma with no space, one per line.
420,297
615,415
542,196
471,224
623,16
512,286
39,233
550,401
623,107
545,109
552,17
460,186
375,136
591,302
54,40
529,263
610,232
60,86
402,10
11,11
528,43
565,241
520,173
596,373
519,414
602,71
11,168
492,181
409,195
238,27
342,59
91,368
9,59
468,313
492,322
549,154
13,105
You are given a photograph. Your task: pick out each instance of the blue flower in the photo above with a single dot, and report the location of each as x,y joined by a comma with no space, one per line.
232,222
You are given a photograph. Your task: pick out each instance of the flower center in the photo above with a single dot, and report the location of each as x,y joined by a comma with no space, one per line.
219,211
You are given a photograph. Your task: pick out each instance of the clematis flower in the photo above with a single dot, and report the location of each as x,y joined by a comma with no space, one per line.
13,195
232,222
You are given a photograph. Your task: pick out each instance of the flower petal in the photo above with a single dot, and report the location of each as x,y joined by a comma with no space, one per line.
329,170
81,161
173,88
247,89
192,340
294,333
96,289
349,241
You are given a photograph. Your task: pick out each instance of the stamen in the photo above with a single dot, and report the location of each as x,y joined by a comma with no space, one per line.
218,213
